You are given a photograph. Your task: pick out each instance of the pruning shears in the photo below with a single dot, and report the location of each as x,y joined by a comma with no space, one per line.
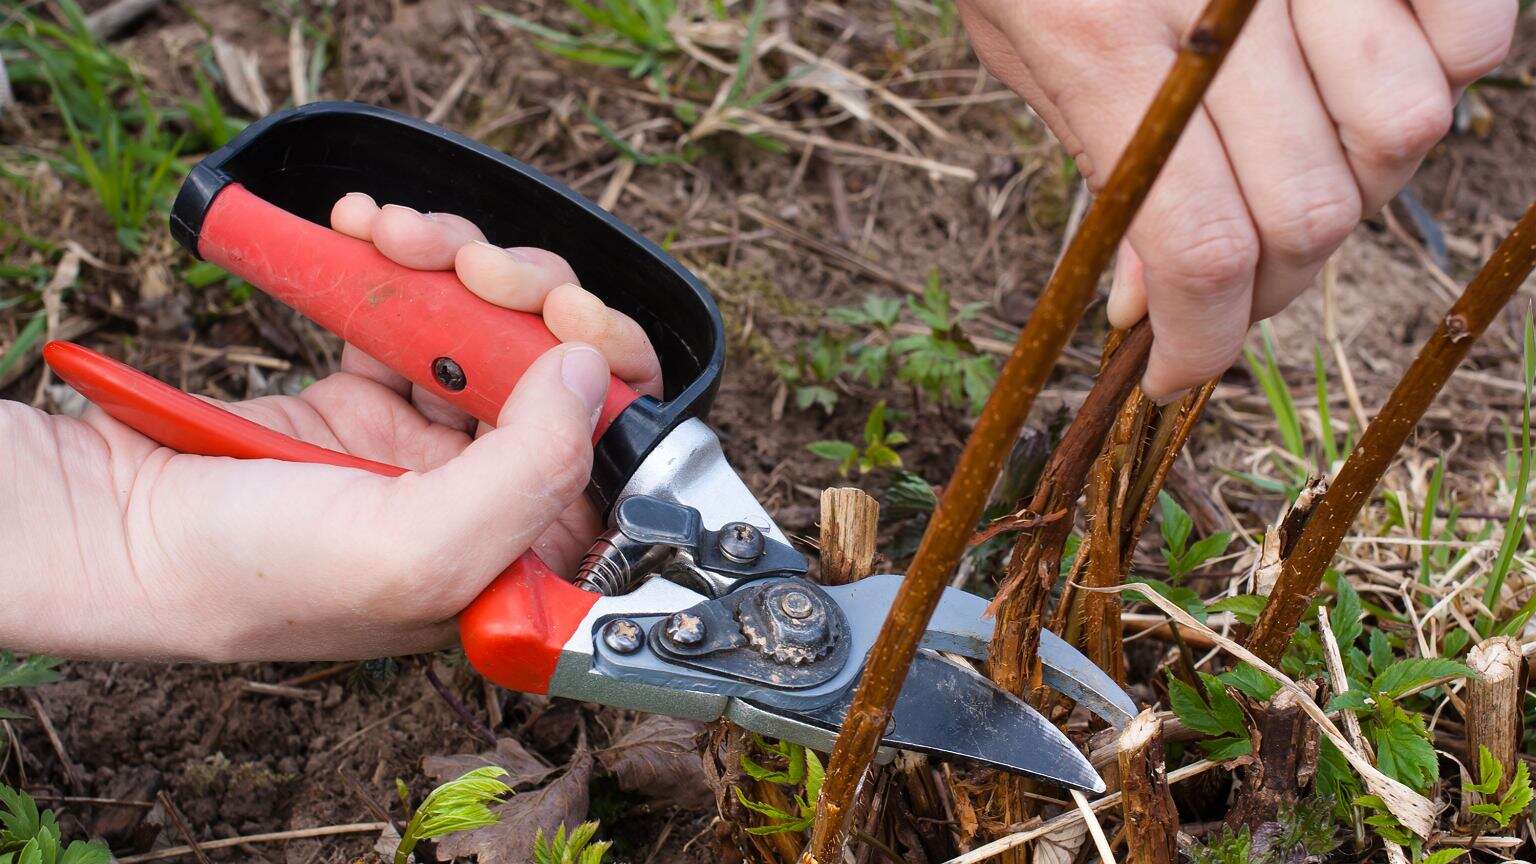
693,603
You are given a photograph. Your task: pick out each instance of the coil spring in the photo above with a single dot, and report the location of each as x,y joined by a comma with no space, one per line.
615,564
603,569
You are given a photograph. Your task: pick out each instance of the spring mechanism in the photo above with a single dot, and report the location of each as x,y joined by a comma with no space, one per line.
616,564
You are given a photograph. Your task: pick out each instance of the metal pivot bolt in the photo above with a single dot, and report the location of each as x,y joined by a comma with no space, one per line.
741,542
447,372
796,604
623,636
684,628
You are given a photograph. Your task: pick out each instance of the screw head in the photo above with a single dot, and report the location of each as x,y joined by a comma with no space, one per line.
740,542
796,604
447,372
684,628
623,635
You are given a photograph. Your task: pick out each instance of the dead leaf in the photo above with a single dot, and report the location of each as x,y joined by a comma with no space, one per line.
837,84
242,76
510,841
659,758
523,768
1061,846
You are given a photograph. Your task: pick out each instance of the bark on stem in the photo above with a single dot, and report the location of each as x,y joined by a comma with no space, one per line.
1055,316
1302,570
1151,819
1493,713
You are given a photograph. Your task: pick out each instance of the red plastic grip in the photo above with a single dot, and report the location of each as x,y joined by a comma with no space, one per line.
513,632
405,318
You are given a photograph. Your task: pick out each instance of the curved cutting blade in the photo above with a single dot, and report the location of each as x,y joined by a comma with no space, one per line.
960,625
950,711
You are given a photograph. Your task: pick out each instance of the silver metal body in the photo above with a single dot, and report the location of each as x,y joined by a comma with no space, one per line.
689,468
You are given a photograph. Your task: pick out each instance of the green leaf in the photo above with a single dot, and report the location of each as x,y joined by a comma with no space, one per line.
1489,772
1403,750
1346,614
1191,709
32,671
1353,699
1186,599
1245,607
1226,709
1381,651
1223,749
1442,856
1251,682
1175,524
1413,672
838,451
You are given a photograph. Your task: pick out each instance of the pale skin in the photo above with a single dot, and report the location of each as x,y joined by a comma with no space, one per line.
124,549
1321,113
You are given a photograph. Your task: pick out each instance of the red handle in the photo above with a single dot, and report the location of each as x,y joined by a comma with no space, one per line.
513,632
408,319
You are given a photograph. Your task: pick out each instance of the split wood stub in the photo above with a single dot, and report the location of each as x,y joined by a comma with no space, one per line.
1493,711
850,519
1151,820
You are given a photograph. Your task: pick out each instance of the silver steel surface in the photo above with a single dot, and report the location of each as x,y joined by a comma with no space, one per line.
961,625
688,467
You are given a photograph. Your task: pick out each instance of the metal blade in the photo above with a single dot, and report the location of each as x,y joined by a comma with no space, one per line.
961,625
950,711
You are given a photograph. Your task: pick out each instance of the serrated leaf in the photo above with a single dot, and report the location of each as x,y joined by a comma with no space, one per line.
1403,751
1191,709
1346,614
1489,772
1250,681
1226,710
1442,856
1224,749
1413,672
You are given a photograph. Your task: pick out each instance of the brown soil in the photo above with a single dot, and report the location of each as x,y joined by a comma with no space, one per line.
266,763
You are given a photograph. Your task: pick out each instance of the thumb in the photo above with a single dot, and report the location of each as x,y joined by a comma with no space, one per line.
489,503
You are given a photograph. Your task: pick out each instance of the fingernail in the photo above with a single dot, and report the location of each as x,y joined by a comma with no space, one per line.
361,196
1170,398
409,210
522,254
585,373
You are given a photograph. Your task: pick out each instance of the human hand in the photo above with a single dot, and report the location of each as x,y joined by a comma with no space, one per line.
122,548
1321,113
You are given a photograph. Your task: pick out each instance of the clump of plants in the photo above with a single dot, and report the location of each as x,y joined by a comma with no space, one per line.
31,836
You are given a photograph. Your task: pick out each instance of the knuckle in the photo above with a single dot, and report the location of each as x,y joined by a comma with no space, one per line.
1214,258
1404,135
1308,226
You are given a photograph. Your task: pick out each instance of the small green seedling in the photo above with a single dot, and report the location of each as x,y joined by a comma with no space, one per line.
577,848
943,362
1181,557
802,771
30,836
879,450
1515,801
461,804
